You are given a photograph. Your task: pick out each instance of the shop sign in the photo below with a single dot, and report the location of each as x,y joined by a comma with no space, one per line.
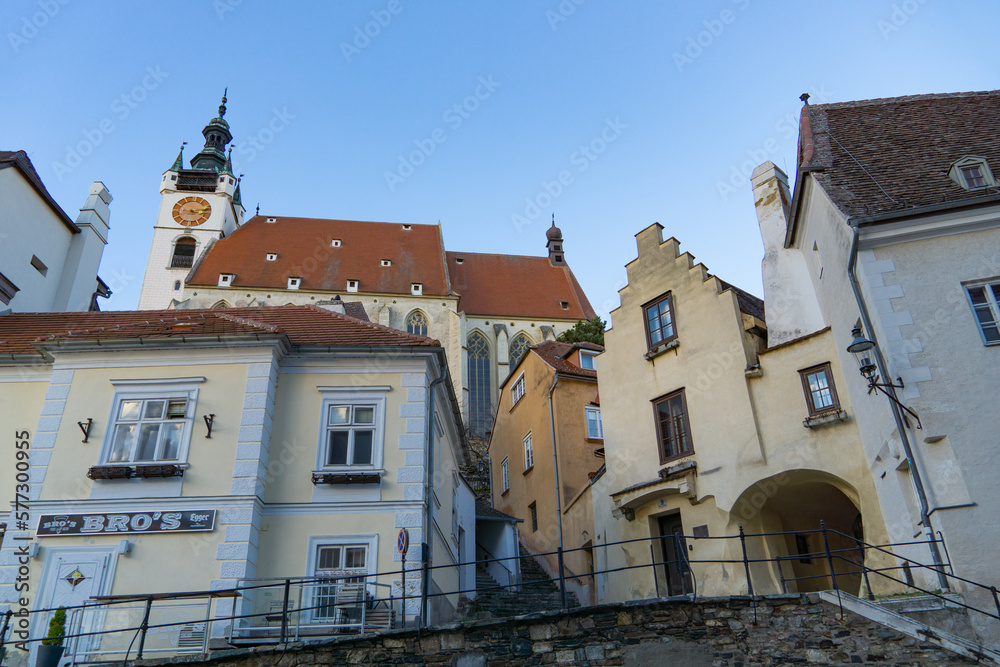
125,523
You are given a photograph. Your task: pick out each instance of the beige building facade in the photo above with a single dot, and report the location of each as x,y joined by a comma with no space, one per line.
708,430
203,450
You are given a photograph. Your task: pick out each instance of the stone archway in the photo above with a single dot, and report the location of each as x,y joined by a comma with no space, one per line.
789,508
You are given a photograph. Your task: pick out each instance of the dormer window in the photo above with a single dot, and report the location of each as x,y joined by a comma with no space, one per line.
272,256
272,219
564,305
974,177
416,289
459,260
294,282
386,262
226,279
407,228
587,360
336,243
352,285
972,173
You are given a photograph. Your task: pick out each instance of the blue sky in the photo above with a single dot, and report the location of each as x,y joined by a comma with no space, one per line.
486,116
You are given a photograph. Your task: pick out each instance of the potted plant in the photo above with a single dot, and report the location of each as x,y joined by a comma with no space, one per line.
51,649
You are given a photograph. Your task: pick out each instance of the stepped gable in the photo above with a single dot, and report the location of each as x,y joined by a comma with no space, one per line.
486,283
24,334
305,249
875,156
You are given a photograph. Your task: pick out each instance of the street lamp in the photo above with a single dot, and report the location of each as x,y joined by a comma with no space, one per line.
864,352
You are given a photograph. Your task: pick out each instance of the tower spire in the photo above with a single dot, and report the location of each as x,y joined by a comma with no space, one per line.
217,135
179,162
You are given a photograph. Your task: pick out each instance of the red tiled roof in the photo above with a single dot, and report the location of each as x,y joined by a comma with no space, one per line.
305,326
516,286
304,249
905,144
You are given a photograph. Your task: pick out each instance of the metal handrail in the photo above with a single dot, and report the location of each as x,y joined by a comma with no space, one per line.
685,563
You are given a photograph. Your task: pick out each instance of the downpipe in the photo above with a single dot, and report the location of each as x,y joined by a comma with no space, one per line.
925,518
555,465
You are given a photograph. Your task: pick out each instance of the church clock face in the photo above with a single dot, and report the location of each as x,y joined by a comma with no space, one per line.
191,211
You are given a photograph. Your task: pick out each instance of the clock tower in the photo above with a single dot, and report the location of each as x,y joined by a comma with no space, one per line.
197,206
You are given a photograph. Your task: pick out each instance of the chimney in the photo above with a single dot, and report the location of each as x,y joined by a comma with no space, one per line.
790,304
334,306
78,280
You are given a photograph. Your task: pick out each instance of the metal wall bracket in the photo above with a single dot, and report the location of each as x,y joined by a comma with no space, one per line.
209,420
86,428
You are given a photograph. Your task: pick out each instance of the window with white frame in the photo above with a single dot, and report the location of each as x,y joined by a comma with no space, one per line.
226,279
352,285
985,300
294,282
517,390
341,564
529,453
595,429
351,431
416,289
150,421
587,359
504,476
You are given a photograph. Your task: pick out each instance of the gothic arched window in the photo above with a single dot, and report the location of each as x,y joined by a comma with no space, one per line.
416,323
220,304
183,256
480,405
518,347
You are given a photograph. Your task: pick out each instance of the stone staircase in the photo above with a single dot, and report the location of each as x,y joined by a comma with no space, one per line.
539,592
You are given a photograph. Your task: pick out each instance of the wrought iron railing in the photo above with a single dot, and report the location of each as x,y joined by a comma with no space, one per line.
282,610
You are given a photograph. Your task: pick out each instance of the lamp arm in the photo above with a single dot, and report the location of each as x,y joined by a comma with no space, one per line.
891,397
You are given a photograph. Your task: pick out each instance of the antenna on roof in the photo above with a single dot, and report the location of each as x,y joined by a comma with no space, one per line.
805,98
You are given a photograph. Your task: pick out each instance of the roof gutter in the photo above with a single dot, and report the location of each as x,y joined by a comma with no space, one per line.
897,416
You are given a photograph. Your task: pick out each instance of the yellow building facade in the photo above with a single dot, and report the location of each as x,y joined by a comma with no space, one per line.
556,510
205,451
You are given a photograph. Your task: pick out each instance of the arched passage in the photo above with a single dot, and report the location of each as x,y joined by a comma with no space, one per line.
788,508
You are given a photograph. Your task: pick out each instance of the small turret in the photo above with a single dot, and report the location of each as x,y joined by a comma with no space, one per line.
555,244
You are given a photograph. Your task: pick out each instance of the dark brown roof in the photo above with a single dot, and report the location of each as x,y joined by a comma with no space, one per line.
554,354
748,303
356,309
304,326
875,156
516,286
20,160
304,248
484,511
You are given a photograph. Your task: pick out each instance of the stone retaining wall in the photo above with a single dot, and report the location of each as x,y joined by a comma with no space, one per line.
778,630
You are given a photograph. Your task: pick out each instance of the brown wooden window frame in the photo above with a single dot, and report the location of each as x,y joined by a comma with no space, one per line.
533,514
669,298
810,403
661,449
